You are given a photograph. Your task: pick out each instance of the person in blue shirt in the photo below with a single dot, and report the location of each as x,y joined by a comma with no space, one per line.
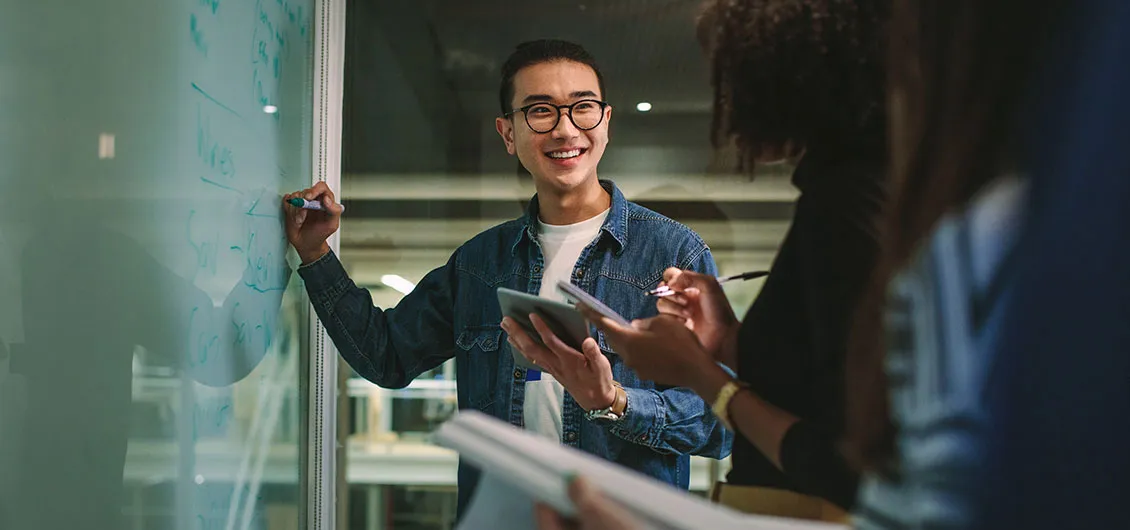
577,228
1056,456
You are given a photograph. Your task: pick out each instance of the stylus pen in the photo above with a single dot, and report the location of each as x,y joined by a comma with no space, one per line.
667,291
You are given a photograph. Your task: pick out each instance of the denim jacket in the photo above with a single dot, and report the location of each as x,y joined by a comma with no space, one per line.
454,312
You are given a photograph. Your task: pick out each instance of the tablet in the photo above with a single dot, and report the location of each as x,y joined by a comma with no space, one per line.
563,319
582,297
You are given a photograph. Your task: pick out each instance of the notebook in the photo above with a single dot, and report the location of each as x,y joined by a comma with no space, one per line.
520,468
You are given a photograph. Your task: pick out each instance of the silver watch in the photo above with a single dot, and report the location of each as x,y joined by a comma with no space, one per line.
606,413
602,414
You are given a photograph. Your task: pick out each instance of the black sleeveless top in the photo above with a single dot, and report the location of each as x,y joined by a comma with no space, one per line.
793,339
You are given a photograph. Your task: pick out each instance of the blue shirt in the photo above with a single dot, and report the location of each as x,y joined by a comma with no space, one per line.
1059,455
943,319
454,312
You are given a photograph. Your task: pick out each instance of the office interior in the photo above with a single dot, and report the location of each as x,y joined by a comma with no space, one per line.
422,170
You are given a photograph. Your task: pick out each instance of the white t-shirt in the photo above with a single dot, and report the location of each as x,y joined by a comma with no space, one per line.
561,247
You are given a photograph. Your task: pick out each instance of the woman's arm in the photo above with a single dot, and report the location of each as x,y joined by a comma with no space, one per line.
757,420
806,454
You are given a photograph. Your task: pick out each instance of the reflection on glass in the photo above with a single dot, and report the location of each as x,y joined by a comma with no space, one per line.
151,324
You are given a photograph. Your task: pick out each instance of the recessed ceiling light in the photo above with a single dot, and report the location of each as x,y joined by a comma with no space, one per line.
643,106
270,109
105,146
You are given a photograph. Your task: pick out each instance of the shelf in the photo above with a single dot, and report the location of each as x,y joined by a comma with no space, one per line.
405,462
418,389
393,463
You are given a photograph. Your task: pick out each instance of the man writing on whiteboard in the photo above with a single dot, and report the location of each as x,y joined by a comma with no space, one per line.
578,229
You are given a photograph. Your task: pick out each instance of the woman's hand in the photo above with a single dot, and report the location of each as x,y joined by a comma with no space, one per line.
703,305
659,349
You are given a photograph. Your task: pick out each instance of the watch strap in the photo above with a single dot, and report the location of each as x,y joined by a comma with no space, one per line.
613,412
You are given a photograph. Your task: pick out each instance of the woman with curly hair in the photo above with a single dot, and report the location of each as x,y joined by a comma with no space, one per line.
802,81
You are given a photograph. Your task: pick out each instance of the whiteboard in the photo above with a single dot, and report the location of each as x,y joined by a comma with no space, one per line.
151,326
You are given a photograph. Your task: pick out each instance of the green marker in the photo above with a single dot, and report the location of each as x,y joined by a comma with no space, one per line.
299,202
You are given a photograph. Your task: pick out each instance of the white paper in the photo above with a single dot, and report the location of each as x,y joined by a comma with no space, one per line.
498,504
520,467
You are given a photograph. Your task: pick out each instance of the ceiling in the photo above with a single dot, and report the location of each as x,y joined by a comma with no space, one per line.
646,48
422,80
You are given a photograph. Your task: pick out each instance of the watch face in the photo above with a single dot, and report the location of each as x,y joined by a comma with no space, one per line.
603,414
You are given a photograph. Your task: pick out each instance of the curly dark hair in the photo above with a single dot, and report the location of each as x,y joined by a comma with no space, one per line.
795,74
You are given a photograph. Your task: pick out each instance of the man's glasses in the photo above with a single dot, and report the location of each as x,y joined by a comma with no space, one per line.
585,114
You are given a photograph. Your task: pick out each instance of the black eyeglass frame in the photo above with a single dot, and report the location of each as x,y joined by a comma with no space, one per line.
525,113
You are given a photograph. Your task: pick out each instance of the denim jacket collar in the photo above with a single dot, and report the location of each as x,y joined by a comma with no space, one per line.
615,227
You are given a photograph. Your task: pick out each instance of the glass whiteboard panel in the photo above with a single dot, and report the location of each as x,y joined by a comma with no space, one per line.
151,326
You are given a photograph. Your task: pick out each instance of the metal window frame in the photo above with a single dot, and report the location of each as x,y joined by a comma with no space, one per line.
321,378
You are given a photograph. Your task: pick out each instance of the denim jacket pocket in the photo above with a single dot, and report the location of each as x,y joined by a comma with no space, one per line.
480,346
605,347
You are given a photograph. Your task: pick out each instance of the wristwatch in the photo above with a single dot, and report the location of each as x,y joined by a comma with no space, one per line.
613,412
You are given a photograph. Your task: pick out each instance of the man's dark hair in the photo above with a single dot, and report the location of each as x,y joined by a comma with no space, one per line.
537,52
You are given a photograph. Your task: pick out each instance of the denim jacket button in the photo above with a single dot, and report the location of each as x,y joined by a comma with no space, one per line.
570,436
517,373
537,268
580,273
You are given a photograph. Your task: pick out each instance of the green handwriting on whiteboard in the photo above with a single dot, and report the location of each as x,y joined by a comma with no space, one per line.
197,35
212,5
